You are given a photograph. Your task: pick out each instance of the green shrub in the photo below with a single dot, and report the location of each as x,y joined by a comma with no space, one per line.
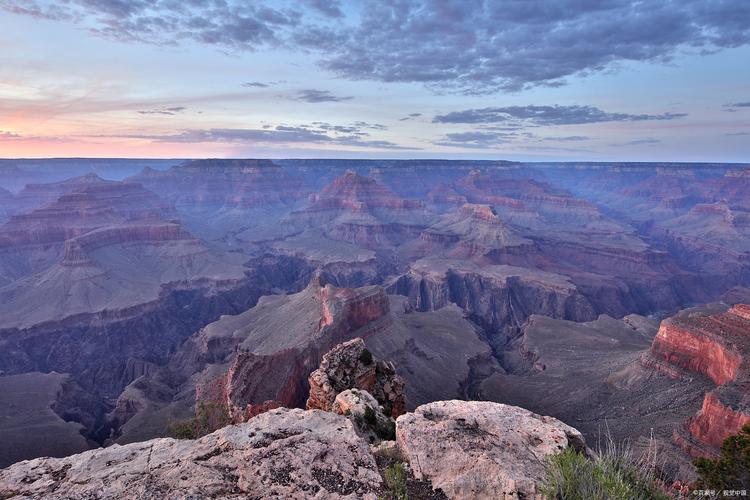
184,429
387,431
208,418
614,473
370,417
395,480
365,357
732,469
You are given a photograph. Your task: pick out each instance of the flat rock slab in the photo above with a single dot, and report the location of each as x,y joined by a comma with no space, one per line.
477,449
279,454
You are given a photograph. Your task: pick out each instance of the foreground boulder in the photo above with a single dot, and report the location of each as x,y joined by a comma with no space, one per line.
455,449
475,449
279,454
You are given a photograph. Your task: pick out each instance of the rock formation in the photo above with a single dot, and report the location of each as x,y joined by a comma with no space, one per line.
265,366
282,453
351,366
715,344
482,450
357,209
467,449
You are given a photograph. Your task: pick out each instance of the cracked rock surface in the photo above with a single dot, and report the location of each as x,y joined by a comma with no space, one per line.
279,454
478,449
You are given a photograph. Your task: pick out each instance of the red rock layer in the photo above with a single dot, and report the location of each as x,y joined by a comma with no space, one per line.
699,344
715,421
716,345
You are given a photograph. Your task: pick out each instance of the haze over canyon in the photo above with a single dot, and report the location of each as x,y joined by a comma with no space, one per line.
133,292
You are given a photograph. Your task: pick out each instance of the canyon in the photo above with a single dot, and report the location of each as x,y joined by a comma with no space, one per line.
599,292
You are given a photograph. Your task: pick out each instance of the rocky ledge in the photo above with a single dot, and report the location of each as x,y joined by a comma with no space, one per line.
466,449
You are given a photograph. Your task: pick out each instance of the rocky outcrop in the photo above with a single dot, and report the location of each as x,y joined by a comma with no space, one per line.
351,366
281,454
717,345
708,344
468,450
265,367
716,419
482,450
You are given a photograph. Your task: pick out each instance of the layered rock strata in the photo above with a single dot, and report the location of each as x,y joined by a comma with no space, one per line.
716,345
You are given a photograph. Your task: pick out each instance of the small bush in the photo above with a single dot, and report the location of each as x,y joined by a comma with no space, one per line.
387,431
365,357
732,469
613,473
370,417
395,480
208,418
184,429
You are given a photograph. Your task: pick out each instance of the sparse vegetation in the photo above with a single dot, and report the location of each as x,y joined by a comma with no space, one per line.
387,431
732,469
614,472
365,357
208,418
395,479
370,417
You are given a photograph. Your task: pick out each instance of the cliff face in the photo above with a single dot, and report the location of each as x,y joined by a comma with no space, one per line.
271,369
229,183
500,297
716,420
692,347
716,345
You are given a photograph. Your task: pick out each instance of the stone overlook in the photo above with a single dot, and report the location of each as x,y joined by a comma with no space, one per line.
469,450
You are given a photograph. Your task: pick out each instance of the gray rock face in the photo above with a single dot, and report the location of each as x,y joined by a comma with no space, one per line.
477,450
279,454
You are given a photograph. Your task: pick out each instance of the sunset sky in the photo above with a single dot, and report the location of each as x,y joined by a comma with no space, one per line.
558,80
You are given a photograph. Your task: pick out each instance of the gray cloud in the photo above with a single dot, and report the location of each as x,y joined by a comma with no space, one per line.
320,133
164,111
410,116
546,115
737,106
476,139
735,134
262,85
637,142
568,138
330,8
316,96
470,47
477,47
8,135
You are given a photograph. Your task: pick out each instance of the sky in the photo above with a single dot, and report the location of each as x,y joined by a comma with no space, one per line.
576,80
